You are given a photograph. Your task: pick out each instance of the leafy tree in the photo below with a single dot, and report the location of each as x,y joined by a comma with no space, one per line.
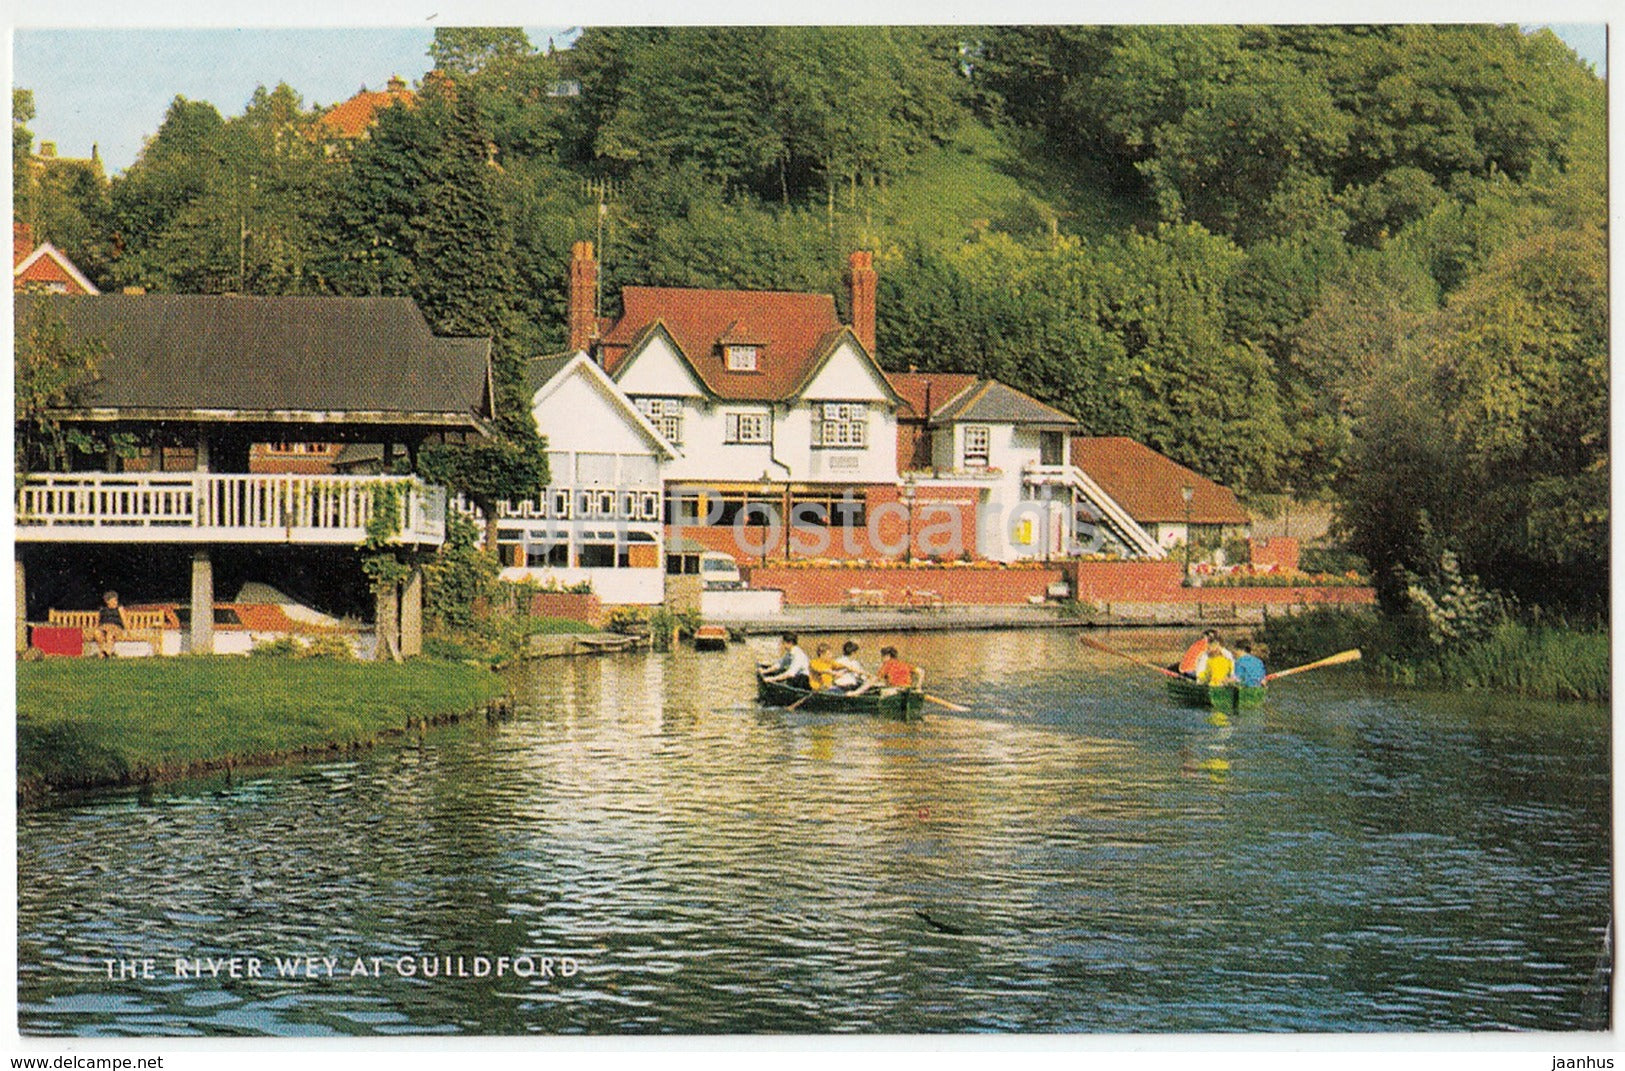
426,211
50,371
470,49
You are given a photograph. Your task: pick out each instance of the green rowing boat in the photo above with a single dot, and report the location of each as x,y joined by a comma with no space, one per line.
1223,697
904,705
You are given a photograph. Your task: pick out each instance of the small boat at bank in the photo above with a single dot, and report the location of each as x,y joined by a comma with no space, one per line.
903,705
1221,697
710,638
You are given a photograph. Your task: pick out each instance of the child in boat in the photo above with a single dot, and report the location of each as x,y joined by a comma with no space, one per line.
1249,667
821,671
894,674
1218,668
849,672
1195,656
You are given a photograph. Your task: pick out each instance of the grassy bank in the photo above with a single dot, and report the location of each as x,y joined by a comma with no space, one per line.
1537,661
83,723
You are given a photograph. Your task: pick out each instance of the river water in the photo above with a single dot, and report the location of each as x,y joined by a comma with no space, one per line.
653,852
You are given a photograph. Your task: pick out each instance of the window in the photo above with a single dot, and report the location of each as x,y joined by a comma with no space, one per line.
745,428
823,512
666,414
741,358
298,448
842,425
976,439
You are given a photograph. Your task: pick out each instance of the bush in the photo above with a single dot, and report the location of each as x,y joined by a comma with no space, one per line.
1332,560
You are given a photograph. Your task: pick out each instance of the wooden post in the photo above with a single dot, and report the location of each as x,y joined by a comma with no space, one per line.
202,602
412,614
389,624
22,606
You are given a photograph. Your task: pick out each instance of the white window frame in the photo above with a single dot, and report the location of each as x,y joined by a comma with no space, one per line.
666,414
745,428
741,358
842,426
976,450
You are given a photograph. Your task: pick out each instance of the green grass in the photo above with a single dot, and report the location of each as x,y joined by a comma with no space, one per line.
982,176
92,722
1537,661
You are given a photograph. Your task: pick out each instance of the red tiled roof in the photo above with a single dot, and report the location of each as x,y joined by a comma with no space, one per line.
945,387
793,332
1146,483
352,118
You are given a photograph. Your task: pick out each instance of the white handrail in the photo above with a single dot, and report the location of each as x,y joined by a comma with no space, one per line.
328,509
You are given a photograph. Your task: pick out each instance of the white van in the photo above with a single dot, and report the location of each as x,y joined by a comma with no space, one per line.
719,572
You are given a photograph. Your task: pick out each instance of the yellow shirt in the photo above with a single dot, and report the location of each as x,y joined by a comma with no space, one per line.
821,673
1217,670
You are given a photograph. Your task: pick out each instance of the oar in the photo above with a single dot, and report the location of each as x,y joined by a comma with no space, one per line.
1330,660
955,707
1164,670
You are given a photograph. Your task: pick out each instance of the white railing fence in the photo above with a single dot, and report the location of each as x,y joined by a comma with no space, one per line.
332,509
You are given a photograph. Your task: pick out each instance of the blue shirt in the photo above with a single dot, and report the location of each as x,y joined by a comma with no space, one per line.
1249,670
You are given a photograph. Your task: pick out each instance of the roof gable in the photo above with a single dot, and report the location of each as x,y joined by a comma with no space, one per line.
292,356
1147,484
549,374
843,358
663,356
792,333
923,391
49,264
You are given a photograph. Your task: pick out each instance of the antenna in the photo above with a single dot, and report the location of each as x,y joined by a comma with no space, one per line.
602,190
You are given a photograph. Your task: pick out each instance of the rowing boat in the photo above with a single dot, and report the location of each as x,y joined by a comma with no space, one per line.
904,705
1231,697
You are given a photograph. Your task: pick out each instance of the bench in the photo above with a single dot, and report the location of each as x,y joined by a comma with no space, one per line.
860,597
923,600
141,626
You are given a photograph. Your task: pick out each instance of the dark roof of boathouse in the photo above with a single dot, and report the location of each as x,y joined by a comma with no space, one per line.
217,357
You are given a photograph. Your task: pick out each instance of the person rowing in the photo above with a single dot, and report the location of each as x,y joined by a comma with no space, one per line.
793,668
1249,668
849,672
895,674
1218,667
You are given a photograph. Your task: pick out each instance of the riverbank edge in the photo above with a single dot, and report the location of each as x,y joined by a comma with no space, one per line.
36,789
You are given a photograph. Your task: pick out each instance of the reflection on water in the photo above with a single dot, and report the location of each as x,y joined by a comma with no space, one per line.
1048,862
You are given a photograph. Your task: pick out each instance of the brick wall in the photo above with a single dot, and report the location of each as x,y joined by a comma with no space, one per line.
1279,552
961,586
571,607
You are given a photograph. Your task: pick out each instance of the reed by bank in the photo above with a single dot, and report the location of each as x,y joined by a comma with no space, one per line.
89,723
1535,660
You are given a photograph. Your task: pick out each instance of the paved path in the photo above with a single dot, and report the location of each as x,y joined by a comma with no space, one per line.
958,618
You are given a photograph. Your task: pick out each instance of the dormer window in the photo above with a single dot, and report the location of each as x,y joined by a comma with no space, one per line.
741,358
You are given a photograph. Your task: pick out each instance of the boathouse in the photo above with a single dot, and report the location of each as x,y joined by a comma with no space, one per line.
185,388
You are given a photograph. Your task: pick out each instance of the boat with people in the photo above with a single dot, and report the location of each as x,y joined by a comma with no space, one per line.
1223,697
903,704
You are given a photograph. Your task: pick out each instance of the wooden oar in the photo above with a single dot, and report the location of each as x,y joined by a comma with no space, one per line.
1164,670
955,707
1330,660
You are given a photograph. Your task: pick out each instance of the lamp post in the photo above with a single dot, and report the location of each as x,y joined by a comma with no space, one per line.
908,504
767,489
1187,492
1286,523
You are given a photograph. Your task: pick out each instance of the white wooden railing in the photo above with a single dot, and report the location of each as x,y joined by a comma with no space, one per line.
217,507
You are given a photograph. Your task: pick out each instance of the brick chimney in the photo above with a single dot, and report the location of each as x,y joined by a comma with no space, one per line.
860,277
583,297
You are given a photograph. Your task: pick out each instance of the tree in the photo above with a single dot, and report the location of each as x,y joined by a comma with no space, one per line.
50,371
425,211
461,50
